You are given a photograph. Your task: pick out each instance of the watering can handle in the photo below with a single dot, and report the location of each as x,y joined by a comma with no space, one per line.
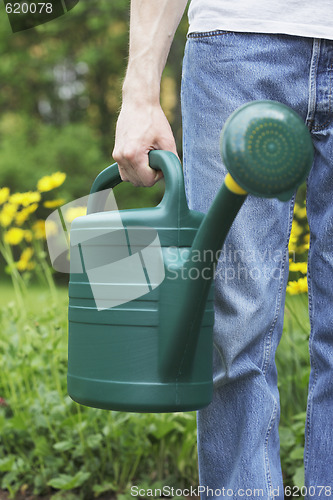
174,198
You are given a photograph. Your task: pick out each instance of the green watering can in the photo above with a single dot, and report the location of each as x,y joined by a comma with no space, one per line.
146,346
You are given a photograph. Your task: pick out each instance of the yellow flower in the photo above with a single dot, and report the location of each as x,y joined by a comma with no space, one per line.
50,182
4,194
54,203
27,253
303,248
296,229
14,236
298,266
28,235
297,287
74,212
51,228
39,229
303,283
7,214
292,247
25,199
23,215
300,212
24,264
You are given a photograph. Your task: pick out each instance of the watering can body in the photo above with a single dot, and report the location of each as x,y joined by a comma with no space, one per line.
118,355
141,290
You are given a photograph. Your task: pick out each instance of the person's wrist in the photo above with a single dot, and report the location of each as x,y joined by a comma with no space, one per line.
141,86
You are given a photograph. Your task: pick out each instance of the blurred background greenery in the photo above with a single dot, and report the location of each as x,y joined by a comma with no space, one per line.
60,96
61,93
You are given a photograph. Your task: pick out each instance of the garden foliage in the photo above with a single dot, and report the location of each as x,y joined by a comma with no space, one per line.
59,100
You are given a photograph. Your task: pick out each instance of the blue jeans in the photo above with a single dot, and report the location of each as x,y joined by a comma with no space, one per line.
238,441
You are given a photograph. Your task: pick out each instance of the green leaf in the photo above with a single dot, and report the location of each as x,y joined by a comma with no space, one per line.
42,447
94,440
300,416
163,429
65,482
19,422
298,477
7,463
98,489
63,445
40,422
297,454
61,495
287,438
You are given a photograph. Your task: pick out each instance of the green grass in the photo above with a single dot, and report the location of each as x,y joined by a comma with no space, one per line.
294,369
37,297
49,445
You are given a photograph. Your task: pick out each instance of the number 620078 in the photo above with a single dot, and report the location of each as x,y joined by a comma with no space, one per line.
311,491
32,8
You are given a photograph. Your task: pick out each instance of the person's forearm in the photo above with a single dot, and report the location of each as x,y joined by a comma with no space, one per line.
142,125
152,27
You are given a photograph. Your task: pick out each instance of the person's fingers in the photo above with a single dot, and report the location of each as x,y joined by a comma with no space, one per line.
168,144
134,167
133,143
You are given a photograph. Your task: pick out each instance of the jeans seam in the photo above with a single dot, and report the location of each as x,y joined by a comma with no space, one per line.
270,427
318,128
186,182
330,91
268,343
206,34
313,364
312,82
268,350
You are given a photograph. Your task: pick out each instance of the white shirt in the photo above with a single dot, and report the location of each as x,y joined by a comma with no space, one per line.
310,18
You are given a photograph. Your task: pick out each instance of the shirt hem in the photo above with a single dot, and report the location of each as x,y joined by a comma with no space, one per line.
202,25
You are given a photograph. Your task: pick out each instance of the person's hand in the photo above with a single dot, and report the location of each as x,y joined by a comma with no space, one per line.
141,128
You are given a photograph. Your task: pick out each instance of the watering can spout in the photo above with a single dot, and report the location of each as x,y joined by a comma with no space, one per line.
183,323
268,153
